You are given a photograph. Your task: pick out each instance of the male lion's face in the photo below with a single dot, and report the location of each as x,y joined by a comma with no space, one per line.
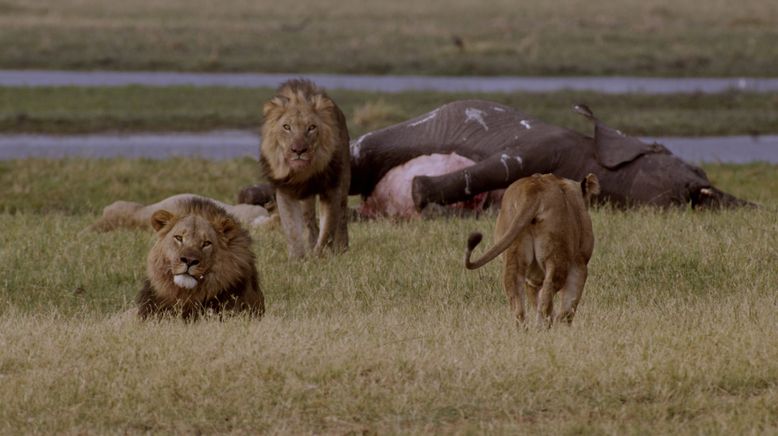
189,247
298,136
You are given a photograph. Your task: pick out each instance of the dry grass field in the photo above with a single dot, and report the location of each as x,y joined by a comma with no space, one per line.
532,37
677,330
676,333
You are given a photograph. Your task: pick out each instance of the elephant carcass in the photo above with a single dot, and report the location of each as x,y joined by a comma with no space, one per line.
506,144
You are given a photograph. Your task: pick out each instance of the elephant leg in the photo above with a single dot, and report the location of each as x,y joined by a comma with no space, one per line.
496,172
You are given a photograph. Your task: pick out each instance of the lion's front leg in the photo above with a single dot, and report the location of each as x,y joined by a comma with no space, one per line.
291,212
334,230
249,299
308,206
340,239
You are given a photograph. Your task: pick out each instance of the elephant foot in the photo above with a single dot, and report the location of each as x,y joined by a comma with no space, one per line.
420,192
261,195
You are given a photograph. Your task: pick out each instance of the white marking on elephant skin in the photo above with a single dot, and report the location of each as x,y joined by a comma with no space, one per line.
355,150
498,109
504,159
430,116
467,183
355,147
525,123
473,114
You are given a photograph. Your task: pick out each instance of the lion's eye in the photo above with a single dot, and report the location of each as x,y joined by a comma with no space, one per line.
206,244
312,127
287,127
179,238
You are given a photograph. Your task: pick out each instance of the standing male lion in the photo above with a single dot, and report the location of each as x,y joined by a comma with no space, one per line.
546,233
305,153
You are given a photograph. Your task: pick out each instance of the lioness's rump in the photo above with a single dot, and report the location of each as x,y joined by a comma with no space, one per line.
545,235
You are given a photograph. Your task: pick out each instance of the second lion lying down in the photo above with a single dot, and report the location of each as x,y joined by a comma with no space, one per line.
545,233
128,214
202,262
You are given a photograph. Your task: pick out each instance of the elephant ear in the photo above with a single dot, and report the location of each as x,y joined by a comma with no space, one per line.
613,148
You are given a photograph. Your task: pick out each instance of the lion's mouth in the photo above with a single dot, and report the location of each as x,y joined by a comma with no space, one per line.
184,281
187,281
299,161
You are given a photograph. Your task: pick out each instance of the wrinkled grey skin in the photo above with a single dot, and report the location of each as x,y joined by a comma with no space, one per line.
508,144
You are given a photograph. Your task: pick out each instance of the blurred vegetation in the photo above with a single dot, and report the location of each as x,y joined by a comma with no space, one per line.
459,37
138,108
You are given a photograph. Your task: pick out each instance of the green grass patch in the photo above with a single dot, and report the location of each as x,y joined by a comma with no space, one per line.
600,37
82,186
78,186
675,333
136,108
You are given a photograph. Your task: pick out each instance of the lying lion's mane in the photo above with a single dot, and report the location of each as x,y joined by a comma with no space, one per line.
233,270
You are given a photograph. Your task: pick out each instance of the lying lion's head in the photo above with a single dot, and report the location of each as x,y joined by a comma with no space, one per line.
198,253
300,131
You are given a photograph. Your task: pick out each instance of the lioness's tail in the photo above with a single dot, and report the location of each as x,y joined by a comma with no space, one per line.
520,221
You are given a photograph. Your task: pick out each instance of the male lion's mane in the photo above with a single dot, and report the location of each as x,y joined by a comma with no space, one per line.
327,164
230,283
305,156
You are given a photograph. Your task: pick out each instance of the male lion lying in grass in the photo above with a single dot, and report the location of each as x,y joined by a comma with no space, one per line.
202,262
546,233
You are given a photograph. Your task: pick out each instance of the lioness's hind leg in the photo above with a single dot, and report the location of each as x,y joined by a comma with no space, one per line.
532,294
552,282
513,277
571,293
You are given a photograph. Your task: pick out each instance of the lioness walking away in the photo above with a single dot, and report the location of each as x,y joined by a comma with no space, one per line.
305,153
546,233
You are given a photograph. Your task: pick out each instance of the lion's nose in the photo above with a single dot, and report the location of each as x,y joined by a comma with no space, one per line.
299,148
189,261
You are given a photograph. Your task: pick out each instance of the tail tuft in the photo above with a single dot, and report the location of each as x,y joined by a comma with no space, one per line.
473,240
584,110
